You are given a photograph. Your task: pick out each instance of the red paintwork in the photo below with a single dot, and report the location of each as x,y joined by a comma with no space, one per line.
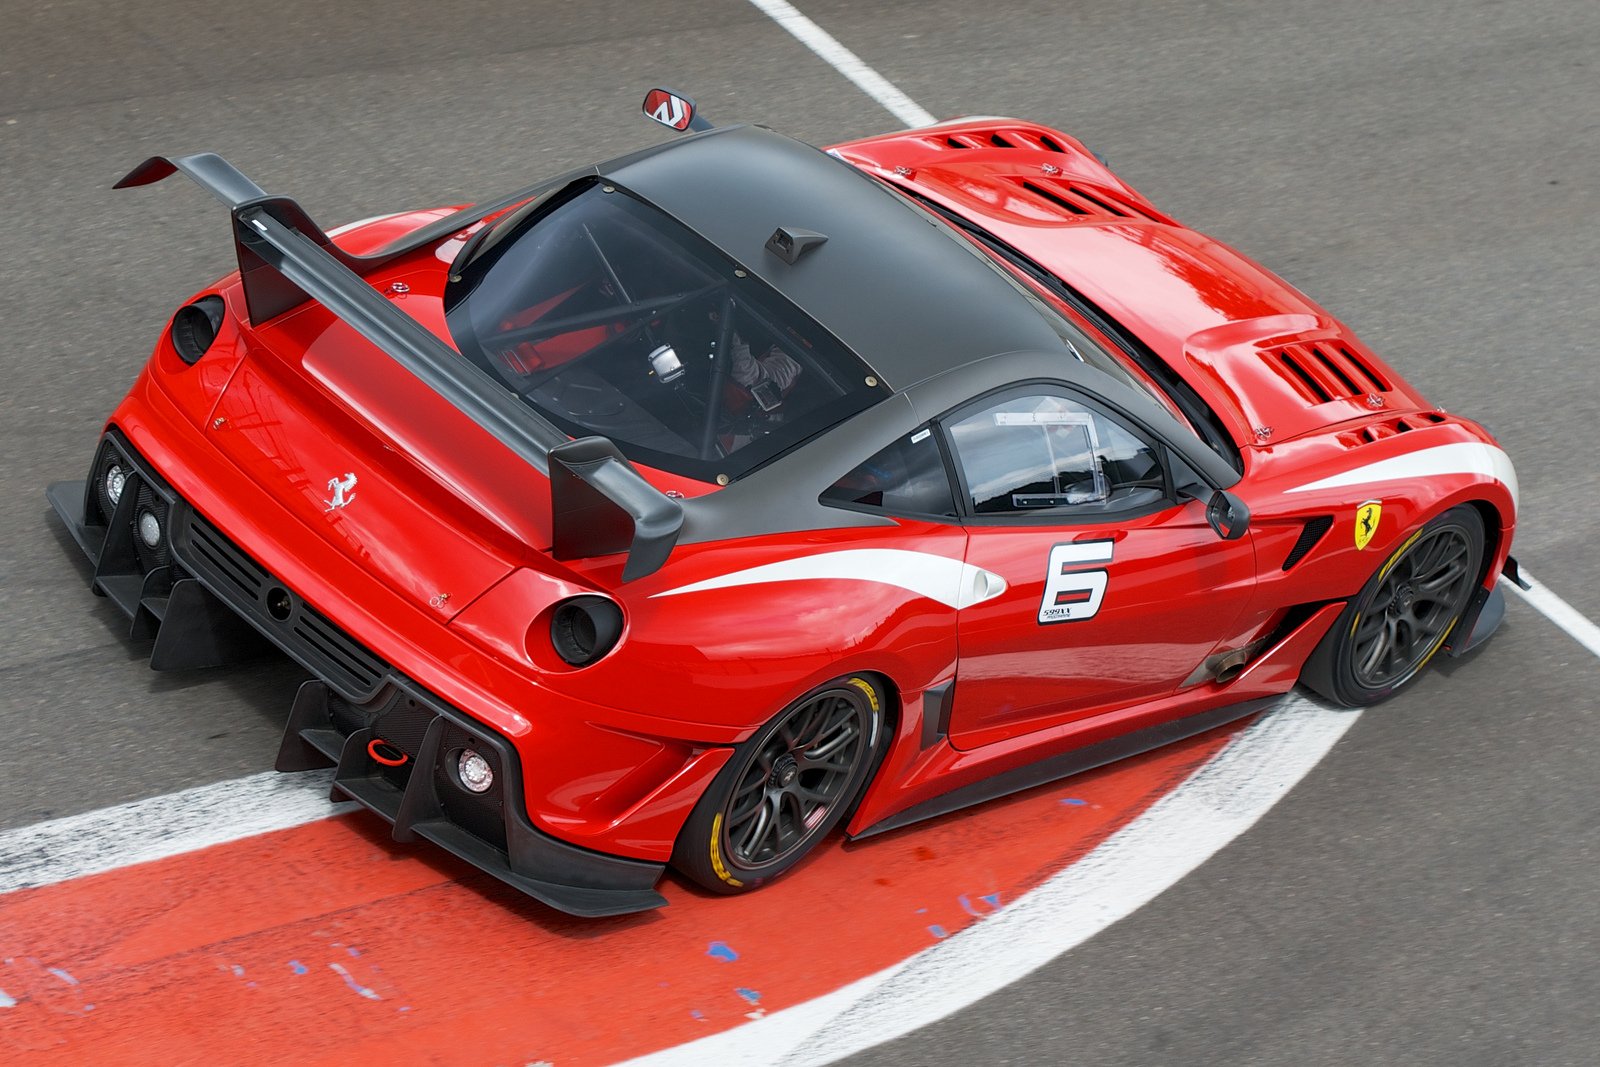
445,570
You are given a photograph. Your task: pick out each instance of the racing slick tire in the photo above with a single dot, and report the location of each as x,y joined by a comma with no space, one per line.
785,788
1403,615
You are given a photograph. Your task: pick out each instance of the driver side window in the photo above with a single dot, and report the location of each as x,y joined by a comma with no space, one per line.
1037,451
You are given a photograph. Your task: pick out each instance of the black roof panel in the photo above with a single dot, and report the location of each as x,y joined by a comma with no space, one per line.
895,287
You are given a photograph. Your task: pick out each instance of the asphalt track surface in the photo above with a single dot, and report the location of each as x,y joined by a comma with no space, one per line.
1426,169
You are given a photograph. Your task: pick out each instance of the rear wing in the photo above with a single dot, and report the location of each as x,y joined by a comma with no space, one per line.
599,503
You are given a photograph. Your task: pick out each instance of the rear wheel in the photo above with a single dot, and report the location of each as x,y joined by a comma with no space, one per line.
1404,613
784,789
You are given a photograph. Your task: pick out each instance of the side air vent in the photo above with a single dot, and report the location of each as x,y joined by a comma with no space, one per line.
1313,532
1322,371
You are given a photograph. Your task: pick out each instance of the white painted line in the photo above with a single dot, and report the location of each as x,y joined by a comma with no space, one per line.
164,826
845,62
1558,611
1174,836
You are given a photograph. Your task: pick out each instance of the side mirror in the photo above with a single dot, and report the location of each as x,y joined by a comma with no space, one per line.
1228,515
673,110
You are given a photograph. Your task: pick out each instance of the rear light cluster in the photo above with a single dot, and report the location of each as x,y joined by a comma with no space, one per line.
140,521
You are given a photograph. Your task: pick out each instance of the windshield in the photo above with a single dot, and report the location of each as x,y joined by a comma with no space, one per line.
610,318
1154,377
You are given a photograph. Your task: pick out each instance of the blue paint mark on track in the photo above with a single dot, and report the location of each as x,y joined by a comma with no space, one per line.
350,981
297,967
1074,802
719,950
750,995
938,931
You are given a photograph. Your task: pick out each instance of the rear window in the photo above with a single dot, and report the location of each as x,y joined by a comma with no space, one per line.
608,317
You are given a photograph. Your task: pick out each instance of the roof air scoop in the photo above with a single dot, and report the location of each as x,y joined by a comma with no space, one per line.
789,243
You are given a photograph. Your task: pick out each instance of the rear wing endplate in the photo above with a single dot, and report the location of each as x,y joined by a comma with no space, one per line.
600,503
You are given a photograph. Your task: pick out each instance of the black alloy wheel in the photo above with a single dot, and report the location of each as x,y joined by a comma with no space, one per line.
784,789
1404,614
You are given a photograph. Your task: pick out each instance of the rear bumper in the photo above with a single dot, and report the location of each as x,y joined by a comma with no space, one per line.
206,602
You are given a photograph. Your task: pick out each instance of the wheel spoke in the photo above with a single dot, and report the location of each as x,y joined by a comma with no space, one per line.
1375,651
749,845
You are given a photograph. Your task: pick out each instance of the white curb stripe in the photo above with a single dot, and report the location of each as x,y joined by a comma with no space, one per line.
1558,611
1173,837
160,827
845,62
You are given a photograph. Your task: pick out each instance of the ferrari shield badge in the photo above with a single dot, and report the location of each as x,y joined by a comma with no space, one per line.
1367,522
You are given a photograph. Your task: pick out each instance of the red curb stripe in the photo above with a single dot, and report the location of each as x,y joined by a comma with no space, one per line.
328,943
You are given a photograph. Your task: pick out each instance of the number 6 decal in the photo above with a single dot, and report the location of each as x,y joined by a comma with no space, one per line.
1073,595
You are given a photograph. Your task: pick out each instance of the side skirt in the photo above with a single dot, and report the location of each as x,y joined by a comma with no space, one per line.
1069,763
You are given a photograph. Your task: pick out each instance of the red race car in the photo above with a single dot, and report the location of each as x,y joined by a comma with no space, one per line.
683,508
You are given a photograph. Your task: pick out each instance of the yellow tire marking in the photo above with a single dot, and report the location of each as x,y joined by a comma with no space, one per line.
866,687
1439,643
716,853
1398,553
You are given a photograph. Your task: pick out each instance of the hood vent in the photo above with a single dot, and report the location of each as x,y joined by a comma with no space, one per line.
1076,201
1322,371
1000,137
1377,431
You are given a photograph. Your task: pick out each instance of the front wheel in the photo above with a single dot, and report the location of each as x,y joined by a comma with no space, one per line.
1404,613
784,789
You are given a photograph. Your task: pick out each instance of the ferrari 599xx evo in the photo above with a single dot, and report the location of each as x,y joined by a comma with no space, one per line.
683,508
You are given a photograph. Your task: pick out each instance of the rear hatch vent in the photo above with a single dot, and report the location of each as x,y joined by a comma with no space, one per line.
1321,371
1309,536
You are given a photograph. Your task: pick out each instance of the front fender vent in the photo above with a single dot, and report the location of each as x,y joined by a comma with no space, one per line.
1313,532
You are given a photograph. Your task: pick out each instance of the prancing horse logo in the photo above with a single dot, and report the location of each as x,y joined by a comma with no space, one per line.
343,490
1367,522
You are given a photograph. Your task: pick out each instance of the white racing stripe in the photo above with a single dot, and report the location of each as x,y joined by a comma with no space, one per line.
1464,457
952,582
845,62
164,826
1173,837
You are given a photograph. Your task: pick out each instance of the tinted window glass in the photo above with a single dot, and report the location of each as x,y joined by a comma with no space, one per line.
1034,453
907,478
610,318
